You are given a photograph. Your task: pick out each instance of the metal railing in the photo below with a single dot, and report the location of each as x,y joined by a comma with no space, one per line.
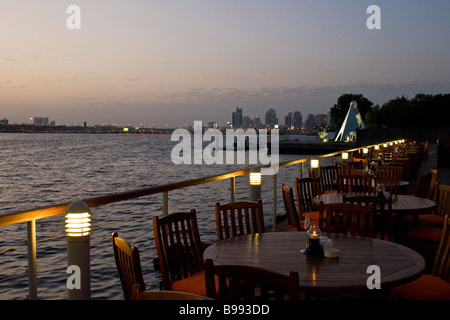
30,216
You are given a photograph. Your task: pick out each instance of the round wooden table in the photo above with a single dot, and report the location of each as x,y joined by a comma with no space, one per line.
281,252
400,203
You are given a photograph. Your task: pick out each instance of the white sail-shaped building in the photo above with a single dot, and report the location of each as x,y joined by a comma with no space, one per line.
353,121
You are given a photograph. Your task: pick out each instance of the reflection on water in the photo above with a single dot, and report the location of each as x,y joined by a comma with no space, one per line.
43,169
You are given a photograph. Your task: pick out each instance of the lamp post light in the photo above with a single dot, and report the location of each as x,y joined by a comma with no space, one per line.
314,172
255,179
344,156
78,229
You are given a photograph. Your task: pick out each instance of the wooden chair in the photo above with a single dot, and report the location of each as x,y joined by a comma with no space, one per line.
128,265
353,183
347,218
306,190
389,171
179,251
434,286
434,179
406,166
291,210
358,164
328,177
237,282
400,167
436,218
342,167
384,226
364,160
426,233
139,294
239,218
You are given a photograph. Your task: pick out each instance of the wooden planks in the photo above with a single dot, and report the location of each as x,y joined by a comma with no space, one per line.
281,252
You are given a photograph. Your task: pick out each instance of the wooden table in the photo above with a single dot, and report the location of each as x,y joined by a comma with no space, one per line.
400,204
281,252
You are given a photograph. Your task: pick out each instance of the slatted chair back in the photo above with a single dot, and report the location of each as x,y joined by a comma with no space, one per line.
442,199
291,210
237,282
342,167
239,218
346,218
353,183
328,177
441,266
390,171
356,164
406,166
382,214
178,245
128,265
434,179
306,190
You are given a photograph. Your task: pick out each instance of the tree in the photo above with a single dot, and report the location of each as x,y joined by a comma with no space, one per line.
340,109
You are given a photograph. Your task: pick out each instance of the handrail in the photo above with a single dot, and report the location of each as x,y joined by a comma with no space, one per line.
39,213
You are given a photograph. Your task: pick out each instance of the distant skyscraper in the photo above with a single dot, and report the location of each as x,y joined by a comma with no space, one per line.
247,122
288,120
310,123
257,122
236,120
297,120
271,118
321,120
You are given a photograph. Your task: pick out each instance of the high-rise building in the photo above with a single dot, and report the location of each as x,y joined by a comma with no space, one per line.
321,120
257,122
310,123
40,121
288,120
271,118
297,120
236,120
247,122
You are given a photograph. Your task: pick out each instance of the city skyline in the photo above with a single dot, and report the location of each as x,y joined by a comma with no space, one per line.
159,63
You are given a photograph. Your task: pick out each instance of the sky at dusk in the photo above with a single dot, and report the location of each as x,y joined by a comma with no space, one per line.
178,61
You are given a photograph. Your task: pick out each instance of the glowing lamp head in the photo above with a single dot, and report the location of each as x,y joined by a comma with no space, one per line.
78,219
344,155
314,163
365,150
255,177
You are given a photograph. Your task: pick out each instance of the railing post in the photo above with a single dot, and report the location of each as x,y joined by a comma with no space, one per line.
255,179
32,274
274,224
165,204
233,188
78,230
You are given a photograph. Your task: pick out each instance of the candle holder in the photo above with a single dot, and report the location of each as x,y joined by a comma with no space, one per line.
314,249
